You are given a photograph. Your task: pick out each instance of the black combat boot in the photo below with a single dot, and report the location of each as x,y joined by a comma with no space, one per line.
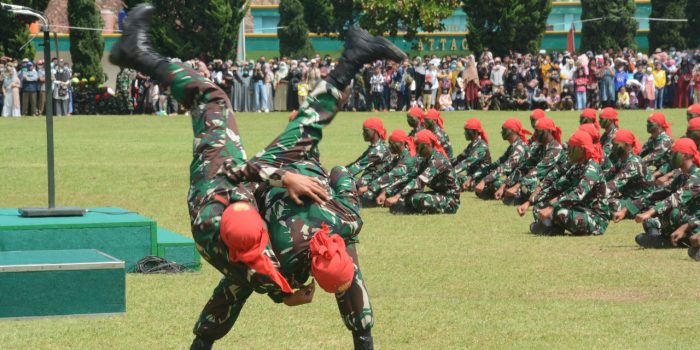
133,50
361,48
363,340
201,344
694,253
653,238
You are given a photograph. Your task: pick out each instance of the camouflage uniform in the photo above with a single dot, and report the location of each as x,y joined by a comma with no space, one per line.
218,174
472,159
401,170
581,206
371,163
437,173
656,152
443,139
674,205
606,141
540,160
628,180
415,130
496,173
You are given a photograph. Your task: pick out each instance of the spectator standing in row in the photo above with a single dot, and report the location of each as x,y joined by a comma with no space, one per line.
30,89
10,90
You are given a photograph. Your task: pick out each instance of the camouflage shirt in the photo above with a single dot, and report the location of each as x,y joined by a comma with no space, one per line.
684,193
401,170
473,158
514,155
533,172
435,172
655,152
607,140
373,160
582,185
415,130
444,140
629,179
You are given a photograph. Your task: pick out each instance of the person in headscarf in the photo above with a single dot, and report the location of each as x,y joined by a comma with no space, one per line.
628,179
470,77
577,200
416,120
371,162
610,122
490,179
666,213
228,230
655,152
10,90
434,171
524,180
474,157
434,123
281,85
269,77
398,173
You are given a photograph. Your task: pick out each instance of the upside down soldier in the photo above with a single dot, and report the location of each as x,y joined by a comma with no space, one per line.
227,227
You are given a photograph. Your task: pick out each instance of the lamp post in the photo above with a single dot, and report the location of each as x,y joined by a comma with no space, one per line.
51,210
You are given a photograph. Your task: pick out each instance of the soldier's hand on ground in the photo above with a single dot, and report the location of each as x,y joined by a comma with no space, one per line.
677,235
363,189
522,209
640,218
619,215
499,193
392,200
546,213
480,187
304,186
381,198
465,186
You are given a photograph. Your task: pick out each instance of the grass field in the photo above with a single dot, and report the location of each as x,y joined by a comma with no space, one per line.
476,279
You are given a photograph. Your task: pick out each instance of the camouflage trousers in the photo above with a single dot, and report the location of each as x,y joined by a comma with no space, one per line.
427,203
669,222
577,220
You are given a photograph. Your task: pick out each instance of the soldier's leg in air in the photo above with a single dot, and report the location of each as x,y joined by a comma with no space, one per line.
219,314
356,309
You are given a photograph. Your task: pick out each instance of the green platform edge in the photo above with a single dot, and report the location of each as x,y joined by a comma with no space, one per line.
170,239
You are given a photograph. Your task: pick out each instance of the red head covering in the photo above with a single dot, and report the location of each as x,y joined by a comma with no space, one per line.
628,137
427,137
537,114
243,231
548,124
591,130
590,113
660,119
293,115
687,146
376,125
694,124
417,112
399,135
331,265
515,125
475,124
583,139
433,114
694,109
611,114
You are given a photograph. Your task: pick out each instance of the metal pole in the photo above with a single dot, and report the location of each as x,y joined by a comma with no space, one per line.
49,116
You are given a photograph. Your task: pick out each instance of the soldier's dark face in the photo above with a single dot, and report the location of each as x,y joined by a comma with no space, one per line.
692,115
576,154
584,120
651,127
470,135
533,122
695,135
619,150
423,150
505,133
367,134
541,136
429,123
677,159
412,121
604,123
396,147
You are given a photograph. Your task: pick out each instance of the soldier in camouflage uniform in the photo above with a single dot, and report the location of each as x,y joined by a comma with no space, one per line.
655,152
576,201
219,172
436,172
434,123
123,91
667,209
372,161
475,157
415,119
628,180
491,178
399,172
610,122
524,180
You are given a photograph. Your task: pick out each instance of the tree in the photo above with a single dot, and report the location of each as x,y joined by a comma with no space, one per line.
192,28
293,32
86,46
378,16
14,33
667,34
693,26
611,25
504,25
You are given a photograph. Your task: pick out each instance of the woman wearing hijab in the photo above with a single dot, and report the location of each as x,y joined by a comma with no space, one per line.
471,84
281,85
685,76
10,89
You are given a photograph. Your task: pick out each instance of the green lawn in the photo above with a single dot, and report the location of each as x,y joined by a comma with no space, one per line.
476,279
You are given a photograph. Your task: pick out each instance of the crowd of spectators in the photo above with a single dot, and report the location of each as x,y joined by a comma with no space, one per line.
551,81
